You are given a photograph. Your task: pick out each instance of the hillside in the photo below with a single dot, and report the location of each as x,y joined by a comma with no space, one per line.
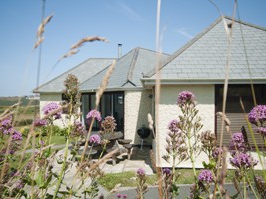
25,101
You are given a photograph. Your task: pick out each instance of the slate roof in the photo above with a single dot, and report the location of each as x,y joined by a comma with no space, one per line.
128,71
204,58
82,71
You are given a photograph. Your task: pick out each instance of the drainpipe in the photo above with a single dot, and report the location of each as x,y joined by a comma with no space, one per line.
119,50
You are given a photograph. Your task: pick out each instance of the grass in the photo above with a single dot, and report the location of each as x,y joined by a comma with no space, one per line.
128,179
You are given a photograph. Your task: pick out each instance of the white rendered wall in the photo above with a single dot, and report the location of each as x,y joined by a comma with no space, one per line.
137,106
168,110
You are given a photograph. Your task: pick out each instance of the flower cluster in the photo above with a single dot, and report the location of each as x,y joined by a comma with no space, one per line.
185,97
174,126
208,141
243,160
205,176
237,143
6,125
257,115
40,122
78,129
109,124
95,139
52,107
94,114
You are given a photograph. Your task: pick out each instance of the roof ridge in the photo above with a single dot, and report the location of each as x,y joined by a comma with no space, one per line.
132,65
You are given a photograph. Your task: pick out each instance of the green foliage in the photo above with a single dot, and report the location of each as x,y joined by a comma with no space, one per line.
55,129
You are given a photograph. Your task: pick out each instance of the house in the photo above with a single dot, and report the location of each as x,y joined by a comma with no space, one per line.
199,67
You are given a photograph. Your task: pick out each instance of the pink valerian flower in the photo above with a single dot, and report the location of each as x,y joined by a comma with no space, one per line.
40,122
185,97
95,139
78,129
52,107
141,172
205,176
16,135
216,152
6,125
109,124
261,130
257,115
243,160
173,126
166,171
237,143
94,114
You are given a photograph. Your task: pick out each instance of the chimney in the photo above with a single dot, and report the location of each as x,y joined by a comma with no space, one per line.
119,50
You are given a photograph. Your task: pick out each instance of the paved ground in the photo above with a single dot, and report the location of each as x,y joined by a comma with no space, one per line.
139,159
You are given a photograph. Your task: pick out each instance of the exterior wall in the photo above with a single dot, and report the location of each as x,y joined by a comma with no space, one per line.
57,98
137,106
168,110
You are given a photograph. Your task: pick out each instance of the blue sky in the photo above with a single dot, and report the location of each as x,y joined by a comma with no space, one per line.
130,22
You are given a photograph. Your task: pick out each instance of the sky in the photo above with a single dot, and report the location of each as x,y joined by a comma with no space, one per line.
131,23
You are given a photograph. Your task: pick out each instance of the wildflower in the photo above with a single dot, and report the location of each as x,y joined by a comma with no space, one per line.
52,107
173,126
205,176
216,152
243,160
40,122
166,171
208,140
95,139
261,130
141,172
16,135
237,143
6,125
257,115
78,129
109,124
94,114
185,97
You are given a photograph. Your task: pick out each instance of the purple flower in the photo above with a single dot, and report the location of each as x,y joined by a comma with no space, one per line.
185,97
78,129
173,126
243,160
261,130
216,151
94,114
6,125
52,107
166,171
95,139
141,172
205,176
257,114
237,143
40,122
16,135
